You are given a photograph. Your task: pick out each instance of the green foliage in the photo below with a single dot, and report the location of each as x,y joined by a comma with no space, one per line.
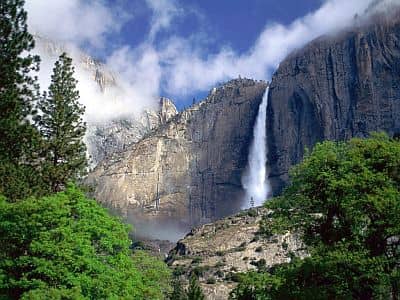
62,246
197,260
336,275
62,128
235,277
178,292
194,291
256,286
18,90
211,280
200,270
345,200
67,247
156,276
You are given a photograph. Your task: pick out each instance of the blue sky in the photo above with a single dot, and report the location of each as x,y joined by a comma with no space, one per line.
182,48
221,23
236,23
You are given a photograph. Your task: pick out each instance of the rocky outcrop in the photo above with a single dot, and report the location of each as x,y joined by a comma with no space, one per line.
335,88
188,170
104,139
217,252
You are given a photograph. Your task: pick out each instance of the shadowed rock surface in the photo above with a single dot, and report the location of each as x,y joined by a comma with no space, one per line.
187,171
335,88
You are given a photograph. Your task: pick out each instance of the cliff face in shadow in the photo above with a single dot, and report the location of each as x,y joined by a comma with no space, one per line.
187,171
335,88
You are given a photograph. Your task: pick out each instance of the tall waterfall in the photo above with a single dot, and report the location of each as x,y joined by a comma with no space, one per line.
254,180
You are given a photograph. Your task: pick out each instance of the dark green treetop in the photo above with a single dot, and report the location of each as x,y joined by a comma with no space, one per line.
344,199
62,127
18,91
178,292
194,291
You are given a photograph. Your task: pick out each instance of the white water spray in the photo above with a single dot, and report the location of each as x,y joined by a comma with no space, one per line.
254,180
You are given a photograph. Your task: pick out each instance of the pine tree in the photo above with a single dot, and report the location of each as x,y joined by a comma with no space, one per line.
62,128
194,291
18,91
178,293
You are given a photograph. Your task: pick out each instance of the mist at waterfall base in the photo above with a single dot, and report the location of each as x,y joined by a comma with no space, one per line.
254,180
168,229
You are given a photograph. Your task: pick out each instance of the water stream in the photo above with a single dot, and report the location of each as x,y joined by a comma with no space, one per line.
254,180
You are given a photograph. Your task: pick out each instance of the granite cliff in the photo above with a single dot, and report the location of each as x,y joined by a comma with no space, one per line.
188,170
105,138
335,88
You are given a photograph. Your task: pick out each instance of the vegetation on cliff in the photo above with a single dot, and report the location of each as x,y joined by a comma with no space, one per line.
345,200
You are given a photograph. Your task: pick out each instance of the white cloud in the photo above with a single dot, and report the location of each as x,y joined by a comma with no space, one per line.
136,86
187,69
76,21
176,65
164,11
65,25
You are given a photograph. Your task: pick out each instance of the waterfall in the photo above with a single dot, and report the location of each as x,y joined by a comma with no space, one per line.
254,180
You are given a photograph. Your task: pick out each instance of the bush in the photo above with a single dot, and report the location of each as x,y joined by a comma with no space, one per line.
211,280
219,264
219,273
197,260
200,270
178,271
235,277
252,213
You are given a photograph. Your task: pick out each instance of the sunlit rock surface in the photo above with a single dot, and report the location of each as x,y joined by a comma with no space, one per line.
219,250
105,138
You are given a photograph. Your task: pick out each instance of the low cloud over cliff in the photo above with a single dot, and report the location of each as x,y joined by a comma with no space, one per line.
171,64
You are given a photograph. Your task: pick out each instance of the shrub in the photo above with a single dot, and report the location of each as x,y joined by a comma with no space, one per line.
211,280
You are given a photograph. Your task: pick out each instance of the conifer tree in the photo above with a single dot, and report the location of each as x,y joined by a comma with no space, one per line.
62,128
18,91
178,293
194,291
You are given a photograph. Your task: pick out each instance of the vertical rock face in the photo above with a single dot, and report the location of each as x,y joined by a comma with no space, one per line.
104,139
335,88
188,170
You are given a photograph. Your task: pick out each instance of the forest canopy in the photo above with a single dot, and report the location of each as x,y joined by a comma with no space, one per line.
65,246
